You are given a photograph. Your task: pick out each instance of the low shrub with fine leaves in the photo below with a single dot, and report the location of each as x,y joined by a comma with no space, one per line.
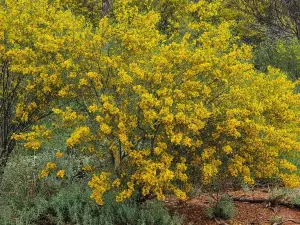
223,208
25,199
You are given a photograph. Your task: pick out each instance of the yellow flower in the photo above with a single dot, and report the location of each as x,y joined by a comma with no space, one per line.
87,168
180,194
208,153
227,149
100,185
91,149
93,108
291,180
44,174
83,82
50,166
116,183
81,133
92,75
59,155
157,150
287,165
187,142
60,174
105,128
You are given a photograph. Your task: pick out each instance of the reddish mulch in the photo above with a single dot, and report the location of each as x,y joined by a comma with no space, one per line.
193,211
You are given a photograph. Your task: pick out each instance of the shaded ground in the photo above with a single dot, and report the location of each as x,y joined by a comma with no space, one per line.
247,213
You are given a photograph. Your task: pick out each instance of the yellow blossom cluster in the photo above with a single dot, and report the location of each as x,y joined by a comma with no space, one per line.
60,174
68,116
34,139
87,168
100,185
80,134
59,155
51,166
45,172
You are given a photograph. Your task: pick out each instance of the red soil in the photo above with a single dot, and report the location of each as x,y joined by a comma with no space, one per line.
193,211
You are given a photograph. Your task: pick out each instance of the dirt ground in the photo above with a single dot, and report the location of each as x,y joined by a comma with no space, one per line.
193,211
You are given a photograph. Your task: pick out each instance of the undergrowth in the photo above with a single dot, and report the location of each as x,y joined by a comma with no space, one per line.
25,199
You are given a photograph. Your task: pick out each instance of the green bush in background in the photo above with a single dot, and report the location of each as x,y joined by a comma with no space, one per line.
282,54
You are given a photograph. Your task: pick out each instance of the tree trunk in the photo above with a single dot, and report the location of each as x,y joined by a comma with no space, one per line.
7,102
106,8
6,150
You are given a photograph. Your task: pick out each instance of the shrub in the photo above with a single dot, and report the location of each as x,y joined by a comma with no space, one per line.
276,220
157,109
223,208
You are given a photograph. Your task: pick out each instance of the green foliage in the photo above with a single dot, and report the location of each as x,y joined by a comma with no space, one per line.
223,208
132,213
276,220
72,205
283,54
295,198
18,192
277,194
24,199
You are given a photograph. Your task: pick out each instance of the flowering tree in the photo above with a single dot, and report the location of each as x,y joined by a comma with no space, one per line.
36,43
162,108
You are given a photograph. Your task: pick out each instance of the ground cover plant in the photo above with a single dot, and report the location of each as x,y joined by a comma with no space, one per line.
136,101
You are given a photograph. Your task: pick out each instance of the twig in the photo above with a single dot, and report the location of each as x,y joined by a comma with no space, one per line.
292,220
269,201
221,222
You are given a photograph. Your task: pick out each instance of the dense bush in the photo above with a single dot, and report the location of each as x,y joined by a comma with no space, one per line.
155,110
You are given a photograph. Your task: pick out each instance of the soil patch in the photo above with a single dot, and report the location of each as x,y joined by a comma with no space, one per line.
193,211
